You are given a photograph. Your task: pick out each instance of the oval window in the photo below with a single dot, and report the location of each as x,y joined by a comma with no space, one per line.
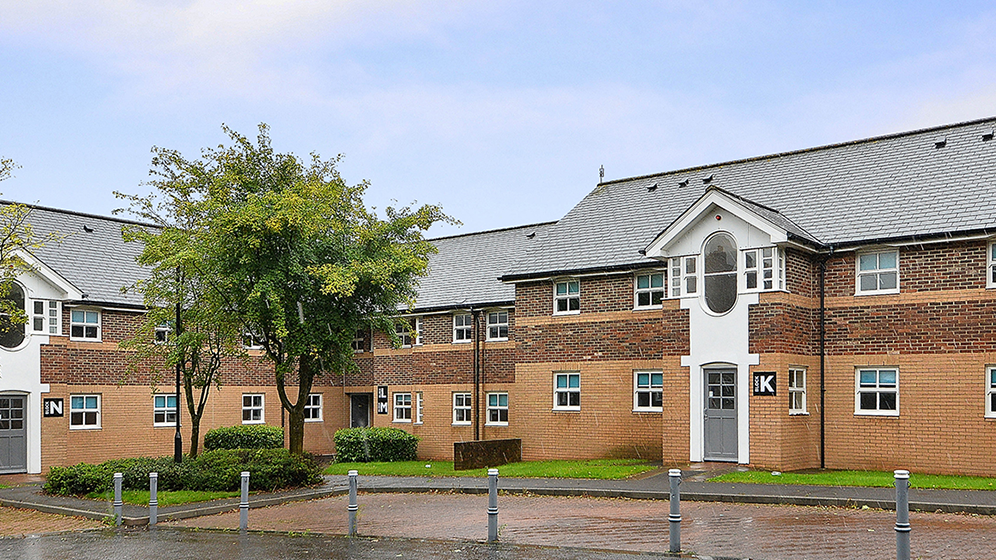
12,332
720,273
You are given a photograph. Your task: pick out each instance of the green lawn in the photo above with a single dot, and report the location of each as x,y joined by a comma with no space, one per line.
165,498
596,468
859,478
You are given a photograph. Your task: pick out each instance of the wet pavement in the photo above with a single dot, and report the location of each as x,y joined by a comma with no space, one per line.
708,528
156,544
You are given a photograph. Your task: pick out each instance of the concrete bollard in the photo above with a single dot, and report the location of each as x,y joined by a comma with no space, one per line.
118,504
492,505
244,505
902,515
674,518
153,498
352,507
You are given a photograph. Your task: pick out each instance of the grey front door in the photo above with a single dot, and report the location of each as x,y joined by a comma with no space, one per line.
13,440
359,410
721,415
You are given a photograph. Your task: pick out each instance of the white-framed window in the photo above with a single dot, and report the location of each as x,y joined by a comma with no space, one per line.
497,409
497,325
402,407
991,392
649,290
684,276
764,269
84,324
313,408
648,391
46,317
463,327
567,391
566,296
461,409
797,391
358,341
877,391
251,341
418,407
164,410
991,267
84,412
878,273
252,408
405,332
162,333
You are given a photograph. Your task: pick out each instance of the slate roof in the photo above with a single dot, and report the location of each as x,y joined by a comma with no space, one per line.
900,186
465,271
98,262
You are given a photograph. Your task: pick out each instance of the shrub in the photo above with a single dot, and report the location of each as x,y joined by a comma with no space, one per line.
253,436
375,444
219,470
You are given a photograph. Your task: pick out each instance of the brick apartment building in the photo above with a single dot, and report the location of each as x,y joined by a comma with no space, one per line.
825,307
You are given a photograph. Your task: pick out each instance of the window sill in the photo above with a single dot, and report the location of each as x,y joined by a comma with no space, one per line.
877,293
462,341
505,425
313,420
71,339
164,425
574,409
253,422
496,339
461,424
559,313
887,414
803,413
648,410
396,421
84,427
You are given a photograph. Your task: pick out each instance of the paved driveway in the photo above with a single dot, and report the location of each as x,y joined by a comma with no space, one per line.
712,529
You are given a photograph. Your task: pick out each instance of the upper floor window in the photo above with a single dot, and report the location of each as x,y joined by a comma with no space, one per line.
11,328
877,392
991,274
764,269
684,276
649,290
410,332
498,325
878,273
463,327
162,333
46,317
84,325
251,341
720,273
358,341
567,296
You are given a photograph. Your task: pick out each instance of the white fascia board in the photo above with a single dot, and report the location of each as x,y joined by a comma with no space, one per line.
659,246
49,274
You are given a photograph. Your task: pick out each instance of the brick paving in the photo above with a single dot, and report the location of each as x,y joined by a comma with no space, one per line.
23,522
712,529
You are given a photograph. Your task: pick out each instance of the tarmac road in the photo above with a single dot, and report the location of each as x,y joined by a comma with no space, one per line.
176,544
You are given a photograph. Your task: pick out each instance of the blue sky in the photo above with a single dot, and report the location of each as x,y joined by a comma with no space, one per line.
500,111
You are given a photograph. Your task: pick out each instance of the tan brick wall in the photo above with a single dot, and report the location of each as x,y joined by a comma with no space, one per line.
779,440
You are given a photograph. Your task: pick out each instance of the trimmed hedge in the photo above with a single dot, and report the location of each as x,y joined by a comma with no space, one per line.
375,444
219,470
252,436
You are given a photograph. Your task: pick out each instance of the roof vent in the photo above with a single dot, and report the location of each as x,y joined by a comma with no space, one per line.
88,229
987,135
652,188
530,235
707,179
940,142
683,183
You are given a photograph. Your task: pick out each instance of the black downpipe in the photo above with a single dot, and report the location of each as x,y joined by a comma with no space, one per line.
823,353
475,332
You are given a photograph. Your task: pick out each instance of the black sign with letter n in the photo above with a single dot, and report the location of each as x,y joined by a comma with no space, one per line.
764,383
52,408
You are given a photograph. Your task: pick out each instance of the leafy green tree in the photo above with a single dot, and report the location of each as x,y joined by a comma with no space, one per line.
295,256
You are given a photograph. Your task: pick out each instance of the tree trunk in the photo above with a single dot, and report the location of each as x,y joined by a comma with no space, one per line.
295,411
296,429
195,435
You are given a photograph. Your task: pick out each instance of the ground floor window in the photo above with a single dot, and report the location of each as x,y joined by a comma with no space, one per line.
991,392
461,409
84,411
567,391
877,392
252,409
497,409
797,391
164,410
402,407
313,408
648,391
